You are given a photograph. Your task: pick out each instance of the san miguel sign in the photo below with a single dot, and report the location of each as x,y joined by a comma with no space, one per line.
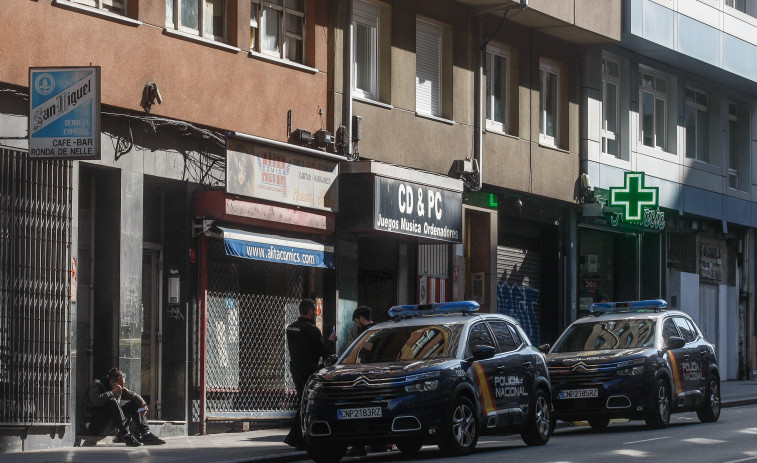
638,203
64,113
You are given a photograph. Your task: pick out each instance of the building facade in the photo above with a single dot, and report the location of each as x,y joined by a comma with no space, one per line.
674,101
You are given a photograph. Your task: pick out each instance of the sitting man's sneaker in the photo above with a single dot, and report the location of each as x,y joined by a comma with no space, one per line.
151,439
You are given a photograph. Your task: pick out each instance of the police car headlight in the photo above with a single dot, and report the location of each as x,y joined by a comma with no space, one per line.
631,371
311,389
425,386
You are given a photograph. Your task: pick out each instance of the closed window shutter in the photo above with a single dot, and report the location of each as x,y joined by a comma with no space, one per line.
428,46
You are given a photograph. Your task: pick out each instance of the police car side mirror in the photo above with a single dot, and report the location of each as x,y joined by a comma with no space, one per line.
483,352
545,348
674,342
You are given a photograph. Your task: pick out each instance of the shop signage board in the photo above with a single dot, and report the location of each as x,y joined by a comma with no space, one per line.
419,210
634,206
64,113
277,249
276,174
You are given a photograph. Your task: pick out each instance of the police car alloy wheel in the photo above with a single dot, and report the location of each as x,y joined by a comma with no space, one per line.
659,414
539,423
462,429
710,409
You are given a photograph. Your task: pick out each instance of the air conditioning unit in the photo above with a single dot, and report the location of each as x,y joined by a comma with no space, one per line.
323,138
462,166
302,136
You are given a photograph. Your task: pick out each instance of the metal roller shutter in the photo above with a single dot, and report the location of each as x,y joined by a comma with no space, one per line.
519,287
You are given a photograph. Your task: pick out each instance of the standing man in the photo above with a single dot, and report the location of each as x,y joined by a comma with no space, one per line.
362,318
107,415
306,347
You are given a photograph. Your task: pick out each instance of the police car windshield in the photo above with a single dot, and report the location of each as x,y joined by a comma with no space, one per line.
405,343
612,334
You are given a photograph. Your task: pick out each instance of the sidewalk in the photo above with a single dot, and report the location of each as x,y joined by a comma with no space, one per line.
253,446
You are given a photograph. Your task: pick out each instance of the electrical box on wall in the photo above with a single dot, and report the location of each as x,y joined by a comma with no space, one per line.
477,287
174,287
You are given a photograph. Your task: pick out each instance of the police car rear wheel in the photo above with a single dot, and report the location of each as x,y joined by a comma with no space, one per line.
659,410
461,429
327,453
710,409
538,428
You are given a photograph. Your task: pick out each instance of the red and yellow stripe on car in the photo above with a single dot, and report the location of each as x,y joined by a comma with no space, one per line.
484,389
676,373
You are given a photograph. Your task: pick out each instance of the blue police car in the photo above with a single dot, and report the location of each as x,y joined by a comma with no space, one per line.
436,374
633,360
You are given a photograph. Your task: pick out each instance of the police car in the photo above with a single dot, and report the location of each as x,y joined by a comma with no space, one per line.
436,374
633,360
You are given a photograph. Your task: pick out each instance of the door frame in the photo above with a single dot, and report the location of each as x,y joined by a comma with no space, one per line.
157,324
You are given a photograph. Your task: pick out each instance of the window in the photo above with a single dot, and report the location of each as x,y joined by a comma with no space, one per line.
503,336
479,336
669,330
277,28
745,6
653,103
428,61
549,79
697,126
687,331
496,87
610,107
206,18
733,145
113,6
365,46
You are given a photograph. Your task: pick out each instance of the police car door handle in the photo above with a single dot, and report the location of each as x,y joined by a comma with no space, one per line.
685,356
527,364
500,369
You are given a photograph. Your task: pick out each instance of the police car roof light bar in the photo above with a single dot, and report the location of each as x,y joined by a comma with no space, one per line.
653,305
439,308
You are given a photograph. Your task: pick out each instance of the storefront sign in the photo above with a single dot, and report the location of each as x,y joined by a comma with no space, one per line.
418,210
274,174
634,197
710,262
64,113
277,249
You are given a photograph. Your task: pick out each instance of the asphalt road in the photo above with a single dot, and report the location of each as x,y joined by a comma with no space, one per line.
732,439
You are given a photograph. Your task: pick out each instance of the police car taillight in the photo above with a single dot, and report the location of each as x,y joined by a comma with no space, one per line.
654,305
439,308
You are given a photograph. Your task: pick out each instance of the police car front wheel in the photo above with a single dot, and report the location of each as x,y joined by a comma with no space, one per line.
659,410
539,425
461,429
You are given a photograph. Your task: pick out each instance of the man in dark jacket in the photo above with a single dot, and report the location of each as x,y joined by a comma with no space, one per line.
107,415
306,347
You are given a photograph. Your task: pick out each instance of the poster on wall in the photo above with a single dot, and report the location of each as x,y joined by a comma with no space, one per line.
276,174
64,113
710,262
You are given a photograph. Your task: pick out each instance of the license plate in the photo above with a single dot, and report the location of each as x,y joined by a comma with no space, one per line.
358,413
579,393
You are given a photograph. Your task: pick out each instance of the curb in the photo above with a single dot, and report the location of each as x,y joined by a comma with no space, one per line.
739,402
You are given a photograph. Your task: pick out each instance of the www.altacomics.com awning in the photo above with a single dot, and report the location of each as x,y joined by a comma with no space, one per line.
272,248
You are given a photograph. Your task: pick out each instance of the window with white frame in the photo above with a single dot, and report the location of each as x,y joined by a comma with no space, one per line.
549,84
277,28
745,6
610,107
733,145
113,6
365,48
697,125
205,18
428,66
496,87
653,102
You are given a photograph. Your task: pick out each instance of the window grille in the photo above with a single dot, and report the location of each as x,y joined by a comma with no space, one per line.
35,285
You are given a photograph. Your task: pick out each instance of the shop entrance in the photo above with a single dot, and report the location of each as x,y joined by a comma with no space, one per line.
608,265
152,276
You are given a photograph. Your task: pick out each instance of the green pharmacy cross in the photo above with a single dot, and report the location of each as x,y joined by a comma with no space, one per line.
633,197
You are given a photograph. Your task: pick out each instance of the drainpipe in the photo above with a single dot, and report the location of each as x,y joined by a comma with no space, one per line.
347,80
478,151
203,319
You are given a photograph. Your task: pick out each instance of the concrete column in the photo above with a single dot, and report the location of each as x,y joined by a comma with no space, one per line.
130,287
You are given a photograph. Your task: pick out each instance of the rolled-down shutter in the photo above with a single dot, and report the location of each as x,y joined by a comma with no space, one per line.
519,287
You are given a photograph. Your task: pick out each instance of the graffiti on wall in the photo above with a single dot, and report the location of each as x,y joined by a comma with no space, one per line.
519,302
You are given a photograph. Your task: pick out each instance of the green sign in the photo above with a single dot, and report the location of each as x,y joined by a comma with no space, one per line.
634,197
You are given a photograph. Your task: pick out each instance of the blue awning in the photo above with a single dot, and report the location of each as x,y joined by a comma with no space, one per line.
272,248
